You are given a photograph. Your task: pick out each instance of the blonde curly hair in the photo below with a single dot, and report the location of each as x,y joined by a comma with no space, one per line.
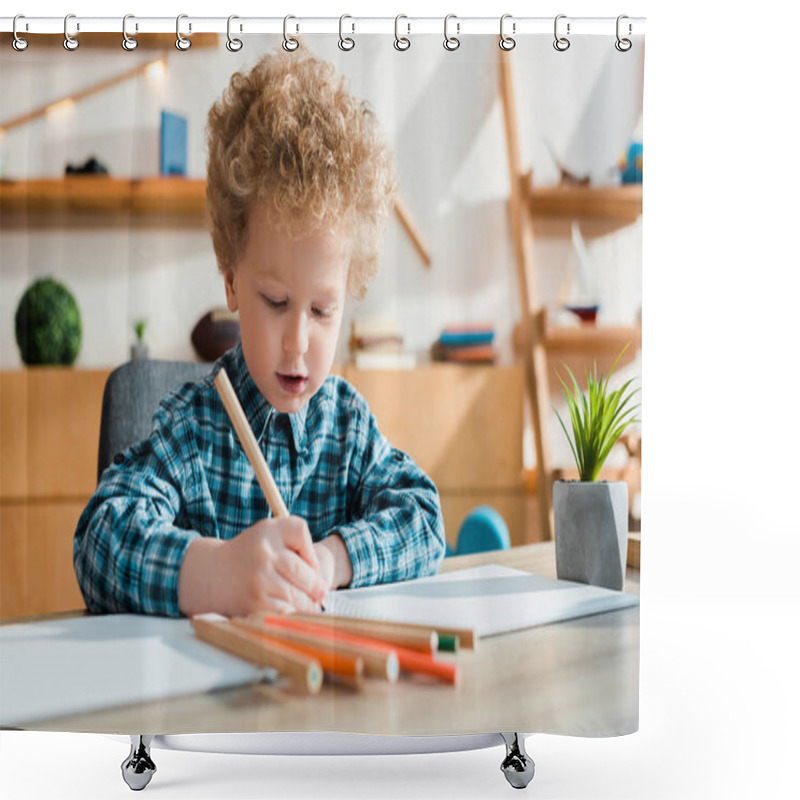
288,134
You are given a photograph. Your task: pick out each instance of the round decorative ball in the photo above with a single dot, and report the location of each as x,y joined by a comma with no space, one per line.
48,324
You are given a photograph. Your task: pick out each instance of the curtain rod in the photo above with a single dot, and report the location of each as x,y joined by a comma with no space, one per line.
406,25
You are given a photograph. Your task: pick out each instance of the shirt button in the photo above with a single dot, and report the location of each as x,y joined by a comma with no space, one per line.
119,458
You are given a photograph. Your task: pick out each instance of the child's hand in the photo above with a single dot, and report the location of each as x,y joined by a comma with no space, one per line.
270,566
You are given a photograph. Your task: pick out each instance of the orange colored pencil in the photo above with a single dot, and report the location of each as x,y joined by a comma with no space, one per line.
376,663
408,660
423,639
347,668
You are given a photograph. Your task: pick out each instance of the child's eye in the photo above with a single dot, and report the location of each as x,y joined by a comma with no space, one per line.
273,303
321,312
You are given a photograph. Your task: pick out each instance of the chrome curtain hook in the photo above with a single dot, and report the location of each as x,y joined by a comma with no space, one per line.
233,45
451,42
507,42
70,42
345,42
623,45
401,42
561,43
290,44
182,43
128,43
18,43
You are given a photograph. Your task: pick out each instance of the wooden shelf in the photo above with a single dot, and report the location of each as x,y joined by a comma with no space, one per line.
103,195
613,203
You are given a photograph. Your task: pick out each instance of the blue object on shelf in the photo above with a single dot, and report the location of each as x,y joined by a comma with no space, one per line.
482,530
466,338
174,134
631,164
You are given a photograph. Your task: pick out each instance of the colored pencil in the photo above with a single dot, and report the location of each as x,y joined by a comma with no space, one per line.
425,640
377,663
301,670
409,660
394,631
335,661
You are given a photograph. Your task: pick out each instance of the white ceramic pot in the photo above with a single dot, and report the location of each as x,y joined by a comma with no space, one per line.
591,531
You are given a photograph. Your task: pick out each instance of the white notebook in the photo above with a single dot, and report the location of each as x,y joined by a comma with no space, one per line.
490,599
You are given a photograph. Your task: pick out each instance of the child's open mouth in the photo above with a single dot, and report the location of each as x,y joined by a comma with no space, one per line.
293,384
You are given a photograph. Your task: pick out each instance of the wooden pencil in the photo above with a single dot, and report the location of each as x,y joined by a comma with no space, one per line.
409,660
377,663
411,636
249,444
343,666
300,669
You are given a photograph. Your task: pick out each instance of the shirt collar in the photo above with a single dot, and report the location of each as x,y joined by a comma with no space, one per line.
256,407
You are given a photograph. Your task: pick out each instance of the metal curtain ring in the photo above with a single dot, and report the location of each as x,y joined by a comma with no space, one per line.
451,42
345,42
233,45
401,42
70,42
623,45
561,43
128,42
290,44
18,43
507,42
182,43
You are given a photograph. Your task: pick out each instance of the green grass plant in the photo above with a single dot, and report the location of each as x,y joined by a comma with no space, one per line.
599,417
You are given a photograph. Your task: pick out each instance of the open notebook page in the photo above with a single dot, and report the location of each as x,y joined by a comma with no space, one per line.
490,599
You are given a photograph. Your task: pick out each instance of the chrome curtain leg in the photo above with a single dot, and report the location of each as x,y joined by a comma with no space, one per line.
517,766
138,768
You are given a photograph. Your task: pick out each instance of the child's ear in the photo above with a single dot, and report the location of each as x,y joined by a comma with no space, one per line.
230,289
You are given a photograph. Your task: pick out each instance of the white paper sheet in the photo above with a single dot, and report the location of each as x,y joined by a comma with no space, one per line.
66,666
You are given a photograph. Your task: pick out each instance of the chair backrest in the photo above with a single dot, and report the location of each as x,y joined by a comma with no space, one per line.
131,397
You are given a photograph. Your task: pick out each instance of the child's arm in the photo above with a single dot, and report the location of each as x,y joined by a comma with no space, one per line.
134,550
396,530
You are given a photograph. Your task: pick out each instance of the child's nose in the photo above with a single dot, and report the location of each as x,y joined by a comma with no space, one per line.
295,340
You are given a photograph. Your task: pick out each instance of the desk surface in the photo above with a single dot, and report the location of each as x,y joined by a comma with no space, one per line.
579,677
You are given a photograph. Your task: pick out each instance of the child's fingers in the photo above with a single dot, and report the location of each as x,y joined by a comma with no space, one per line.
295,598
297,537
272,605
298,574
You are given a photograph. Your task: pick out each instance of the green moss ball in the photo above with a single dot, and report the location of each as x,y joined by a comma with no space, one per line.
48,324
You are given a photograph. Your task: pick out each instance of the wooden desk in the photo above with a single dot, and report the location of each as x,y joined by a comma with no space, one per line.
574,678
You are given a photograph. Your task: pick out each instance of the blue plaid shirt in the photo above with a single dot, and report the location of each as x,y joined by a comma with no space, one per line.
191,478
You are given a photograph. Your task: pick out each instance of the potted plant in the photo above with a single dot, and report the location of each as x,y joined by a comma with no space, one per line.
139,348
591,516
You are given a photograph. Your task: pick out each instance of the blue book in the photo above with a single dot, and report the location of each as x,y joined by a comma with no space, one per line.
466,338
174,130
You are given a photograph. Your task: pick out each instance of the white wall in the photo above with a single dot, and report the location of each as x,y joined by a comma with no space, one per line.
442,114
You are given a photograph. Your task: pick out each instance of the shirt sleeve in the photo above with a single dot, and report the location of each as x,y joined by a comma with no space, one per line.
128,546
396,530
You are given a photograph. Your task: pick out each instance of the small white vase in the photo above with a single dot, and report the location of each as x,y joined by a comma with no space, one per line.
591,531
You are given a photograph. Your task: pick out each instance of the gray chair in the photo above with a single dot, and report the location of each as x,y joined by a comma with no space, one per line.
131,397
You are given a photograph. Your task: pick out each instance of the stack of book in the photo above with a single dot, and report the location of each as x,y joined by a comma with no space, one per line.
377,344
470,344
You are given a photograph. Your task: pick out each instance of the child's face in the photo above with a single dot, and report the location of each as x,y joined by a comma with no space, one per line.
290,297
